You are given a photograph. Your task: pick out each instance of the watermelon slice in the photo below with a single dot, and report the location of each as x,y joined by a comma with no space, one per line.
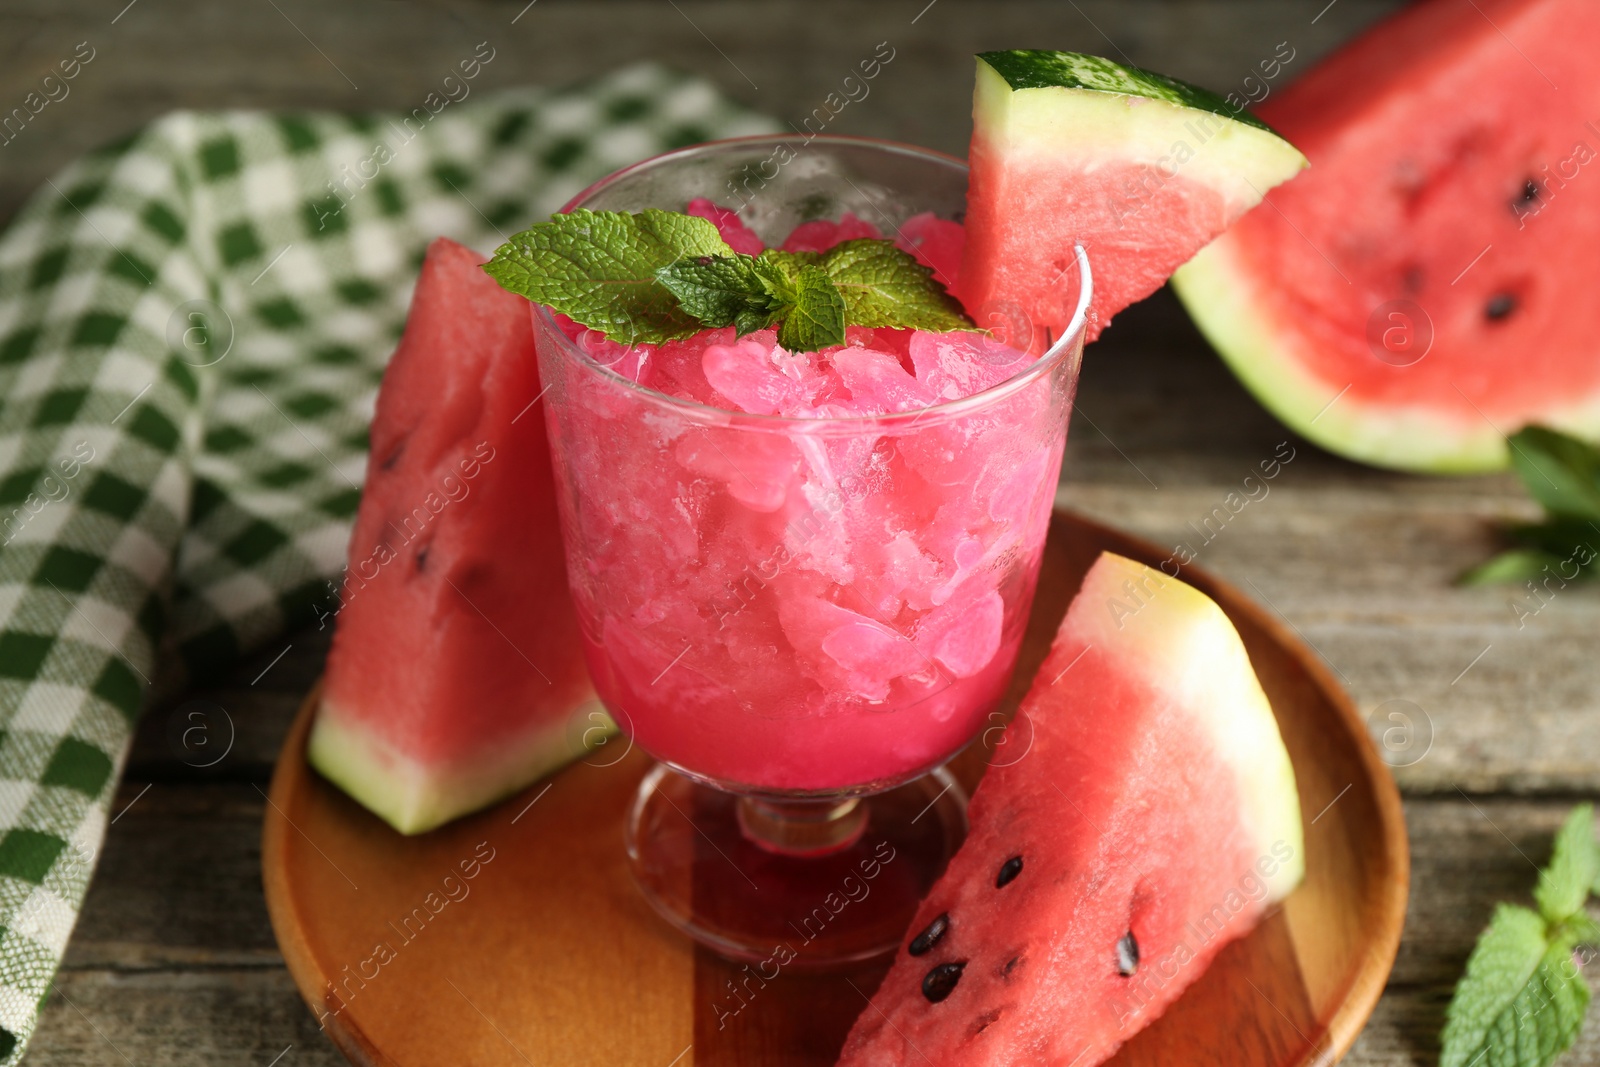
1153,819
1421,292
1140,169
456,674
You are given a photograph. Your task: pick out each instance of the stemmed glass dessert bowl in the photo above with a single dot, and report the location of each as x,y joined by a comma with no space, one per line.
803,617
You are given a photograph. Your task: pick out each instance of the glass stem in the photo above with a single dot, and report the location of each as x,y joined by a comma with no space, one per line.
802,827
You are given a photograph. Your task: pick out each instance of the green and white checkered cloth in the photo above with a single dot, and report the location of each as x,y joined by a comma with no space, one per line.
193,324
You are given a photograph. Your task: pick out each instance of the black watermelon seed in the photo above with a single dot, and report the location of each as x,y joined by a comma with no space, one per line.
1522,204
1008,871
1500,305
1127,955
930,935
1011,965
941,981
422,556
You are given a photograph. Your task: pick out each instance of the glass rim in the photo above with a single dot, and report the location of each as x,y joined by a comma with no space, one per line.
827,425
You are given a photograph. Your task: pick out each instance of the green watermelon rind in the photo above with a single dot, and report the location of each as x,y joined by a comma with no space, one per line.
1033,69
1221,297
415,798
1059,123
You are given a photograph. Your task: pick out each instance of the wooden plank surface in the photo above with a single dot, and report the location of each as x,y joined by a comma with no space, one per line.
173,961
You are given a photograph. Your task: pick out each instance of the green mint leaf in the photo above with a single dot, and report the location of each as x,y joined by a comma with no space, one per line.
1559,471
816,318
1565,549
1522,999
1544,1020
1515,565
751,320
779,279
789,262
1575,541
600,268
719,290
1574,867
884,285
1502,964
659,276
779,274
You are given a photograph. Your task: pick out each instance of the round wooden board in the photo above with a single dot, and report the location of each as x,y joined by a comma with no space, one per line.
547,954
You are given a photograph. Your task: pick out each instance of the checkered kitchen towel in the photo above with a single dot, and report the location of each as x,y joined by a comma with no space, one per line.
193,324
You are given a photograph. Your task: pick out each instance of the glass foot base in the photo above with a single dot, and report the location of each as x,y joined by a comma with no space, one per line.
794,883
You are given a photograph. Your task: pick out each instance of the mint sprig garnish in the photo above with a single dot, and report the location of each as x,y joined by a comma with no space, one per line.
599,267
723,290
885,286
1562,473
1522,999
816,317
661,276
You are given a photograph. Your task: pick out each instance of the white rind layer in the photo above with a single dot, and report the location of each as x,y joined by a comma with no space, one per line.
1069,126
1170,635
413,797
1222,297
1227,301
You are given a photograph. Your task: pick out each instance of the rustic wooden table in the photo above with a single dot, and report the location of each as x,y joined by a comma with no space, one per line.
173,961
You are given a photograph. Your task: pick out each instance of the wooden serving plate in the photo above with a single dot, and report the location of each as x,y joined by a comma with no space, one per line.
547,955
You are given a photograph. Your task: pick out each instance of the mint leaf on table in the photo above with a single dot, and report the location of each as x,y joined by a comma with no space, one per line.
1560,472
1557,536
1505,958
599,268
884,285
660,276
1512,565
1522,999
1545,1018
1565,885
1563,474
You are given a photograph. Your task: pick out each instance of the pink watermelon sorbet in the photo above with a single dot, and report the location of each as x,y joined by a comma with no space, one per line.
797,571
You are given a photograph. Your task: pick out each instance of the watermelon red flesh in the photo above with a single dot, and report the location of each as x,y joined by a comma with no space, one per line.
1155,798
456,675
1139,177
1424,135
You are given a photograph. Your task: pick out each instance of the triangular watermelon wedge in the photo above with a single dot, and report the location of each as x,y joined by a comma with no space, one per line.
1153,819
456,675
1141,169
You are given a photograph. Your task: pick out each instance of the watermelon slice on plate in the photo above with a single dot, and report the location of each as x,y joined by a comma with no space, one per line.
1153,819
1425,290
1141,169
456,675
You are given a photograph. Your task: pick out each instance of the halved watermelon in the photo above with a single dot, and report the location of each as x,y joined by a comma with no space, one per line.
456,675
1153,819
1139,168
1427,287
